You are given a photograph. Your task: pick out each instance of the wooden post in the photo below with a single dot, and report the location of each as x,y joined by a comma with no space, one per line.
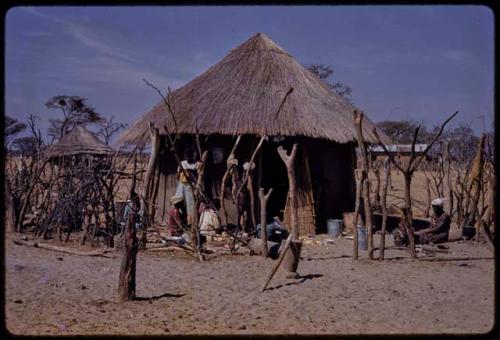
376,171
358,121
149,179
489,216
448,177
126,282
230,163
201,173
408,213
384,210
428,198
10,216
85,229
476,183
252,199
292,190
358,174
263,218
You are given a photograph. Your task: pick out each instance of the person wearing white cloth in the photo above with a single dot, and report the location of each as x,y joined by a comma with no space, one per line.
189,175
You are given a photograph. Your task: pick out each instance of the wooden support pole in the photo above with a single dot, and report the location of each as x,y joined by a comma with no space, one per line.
448,177
358,121
150,180
358,175
126,281
263,219
376,171
289,161
428,198
10,216
384,210
252,199
230,163
201,173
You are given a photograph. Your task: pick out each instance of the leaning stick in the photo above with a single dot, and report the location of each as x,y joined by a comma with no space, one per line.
64,249
280,259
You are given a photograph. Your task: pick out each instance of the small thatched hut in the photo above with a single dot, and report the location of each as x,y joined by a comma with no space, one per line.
240,95
80,142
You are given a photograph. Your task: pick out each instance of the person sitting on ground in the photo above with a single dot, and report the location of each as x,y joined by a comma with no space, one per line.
439,228
209,221
437,232
176,217
275,230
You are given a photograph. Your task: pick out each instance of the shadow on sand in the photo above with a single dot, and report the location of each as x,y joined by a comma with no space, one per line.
157,297
324,258
301,279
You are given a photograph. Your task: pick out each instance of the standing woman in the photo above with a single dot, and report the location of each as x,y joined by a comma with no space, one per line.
189,175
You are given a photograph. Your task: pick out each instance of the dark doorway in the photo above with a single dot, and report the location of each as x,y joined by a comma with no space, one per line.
273,175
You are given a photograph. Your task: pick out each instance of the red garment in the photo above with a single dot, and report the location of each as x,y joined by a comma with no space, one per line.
174,222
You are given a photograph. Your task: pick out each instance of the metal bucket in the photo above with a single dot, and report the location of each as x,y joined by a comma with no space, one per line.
334,227
362,241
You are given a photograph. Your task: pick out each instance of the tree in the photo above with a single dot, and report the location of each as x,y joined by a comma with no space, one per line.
12,128
29,145
408,170
463,143
75,112
24,145
109,128
401,131
323,72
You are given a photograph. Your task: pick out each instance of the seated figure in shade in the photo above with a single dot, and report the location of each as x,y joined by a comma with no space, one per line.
437,232
176,220
209,221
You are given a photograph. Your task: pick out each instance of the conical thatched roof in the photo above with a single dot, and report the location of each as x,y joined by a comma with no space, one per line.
241,94
78,141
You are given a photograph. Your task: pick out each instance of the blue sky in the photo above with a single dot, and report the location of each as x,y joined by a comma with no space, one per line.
402,62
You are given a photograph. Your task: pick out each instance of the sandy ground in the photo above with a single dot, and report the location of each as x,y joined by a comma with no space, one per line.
59,294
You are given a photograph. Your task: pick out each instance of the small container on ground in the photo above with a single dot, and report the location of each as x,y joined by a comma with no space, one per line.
362,241
334,227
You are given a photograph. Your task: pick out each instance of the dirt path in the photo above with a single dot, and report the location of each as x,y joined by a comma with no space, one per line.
53,293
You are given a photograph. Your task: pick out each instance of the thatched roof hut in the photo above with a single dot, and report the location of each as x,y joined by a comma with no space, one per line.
240,95
79,141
